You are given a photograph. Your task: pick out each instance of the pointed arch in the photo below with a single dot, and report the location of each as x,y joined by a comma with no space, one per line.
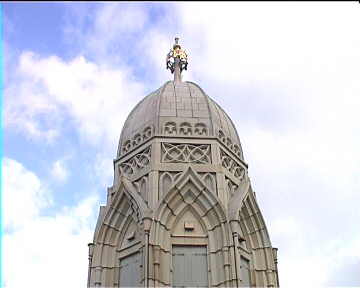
257,241
189,188
125,208
196,221
190,193
210,182
165,183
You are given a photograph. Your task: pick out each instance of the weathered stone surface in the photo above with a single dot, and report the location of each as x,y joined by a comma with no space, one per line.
185,102
180,180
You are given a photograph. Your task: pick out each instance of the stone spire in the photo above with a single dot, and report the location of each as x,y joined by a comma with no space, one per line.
176,61
181,211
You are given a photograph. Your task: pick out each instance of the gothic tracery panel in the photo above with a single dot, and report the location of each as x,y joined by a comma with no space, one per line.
136,164
186,153
228,142
231,165
166,181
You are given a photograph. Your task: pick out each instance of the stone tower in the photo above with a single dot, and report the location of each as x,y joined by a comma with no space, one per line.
181,211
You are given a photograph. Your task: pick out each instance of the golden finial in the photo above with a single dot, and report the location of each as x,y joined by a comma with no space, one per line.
176,60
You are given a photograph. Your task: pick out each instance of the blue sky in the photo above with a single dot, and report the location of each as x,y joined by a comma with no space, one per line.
287,74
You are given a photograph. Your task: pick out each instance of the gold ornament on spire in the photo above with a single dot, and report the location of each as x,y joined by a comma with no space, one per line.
176,57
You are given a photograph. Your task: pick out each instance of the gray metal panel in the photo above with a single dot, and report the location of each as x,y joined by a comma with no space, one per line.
179,267
245,272
199,267
190,266
130,271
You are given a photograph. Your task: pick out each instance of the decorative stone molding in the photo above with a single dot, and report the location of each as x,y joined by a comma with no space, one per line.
185,129
227,142
167,180
142,186
209,180
231,165
135,211
170,128
186,153
200,129
230,187
192,190
189,201
137,163
137,139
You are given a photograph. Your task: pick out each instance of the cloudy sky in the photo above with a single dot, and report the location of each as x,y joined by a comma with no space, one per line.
286,73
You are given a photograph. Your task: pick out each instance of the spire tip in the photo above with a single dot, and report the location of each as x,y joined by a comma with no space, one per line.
176,60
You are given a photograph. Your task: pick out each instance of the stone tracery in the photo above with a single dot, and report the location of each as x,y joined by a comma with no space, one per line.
180,180
137,163
186,153
137,139
231,165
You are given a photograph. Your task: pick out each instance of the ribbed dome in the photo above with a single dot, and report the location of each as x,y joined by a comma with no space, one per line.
178,110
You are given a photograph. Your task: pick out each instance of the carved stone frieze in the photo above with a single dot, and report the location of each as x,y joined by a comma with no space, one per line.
170,128
185,129
137,163
231,165
186,153
227,142
200,129
137,139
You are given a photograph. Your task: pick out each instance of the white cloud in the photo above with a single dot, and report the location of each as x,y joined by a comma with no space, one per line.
123,19
112,29
59,171
49,90
24,195
292,72
104,168
321,263
48,250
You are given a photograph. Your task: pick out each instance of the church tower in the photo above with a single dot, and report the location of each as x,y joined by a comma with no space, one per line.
181,211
